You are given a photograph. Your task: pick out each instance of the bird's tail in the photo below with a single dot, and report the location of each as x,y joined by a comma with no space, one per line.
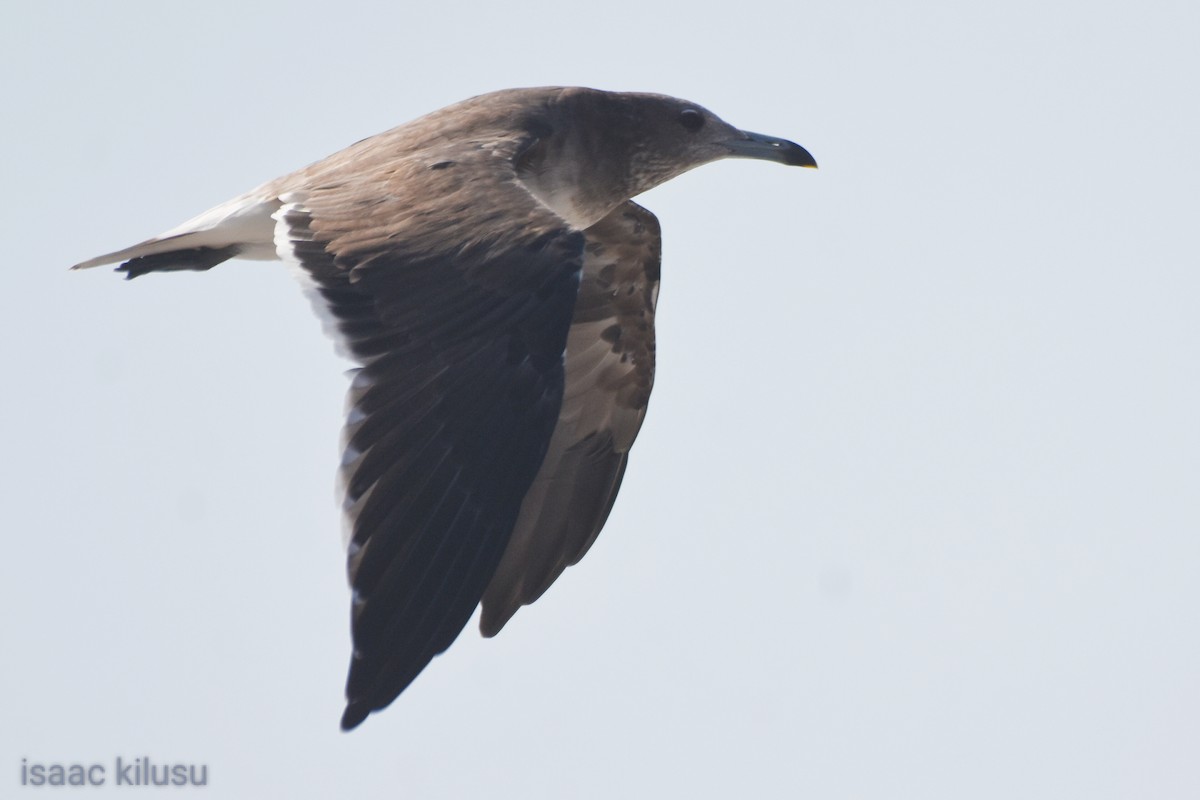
242,227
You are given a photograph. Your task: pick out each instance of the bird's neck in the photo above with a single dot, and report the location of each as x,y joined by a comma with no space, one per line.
577,182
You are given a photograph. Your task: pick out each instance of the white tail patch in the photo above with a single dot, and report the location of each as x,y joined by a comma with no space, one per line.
245,221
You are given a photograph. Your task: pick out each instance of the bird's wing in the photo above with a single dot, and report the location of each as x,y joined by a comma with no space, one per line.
455,289
609,374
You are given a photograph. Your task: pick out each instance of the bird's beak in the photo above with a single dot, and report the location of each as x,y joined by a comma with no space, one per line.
769,148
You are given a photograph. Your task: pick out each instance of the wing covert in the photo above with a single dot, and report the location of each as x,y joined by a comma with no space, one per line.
609,375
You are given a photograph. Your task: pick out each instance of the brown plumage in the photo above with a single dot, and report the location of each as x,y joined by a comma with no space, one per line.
486,268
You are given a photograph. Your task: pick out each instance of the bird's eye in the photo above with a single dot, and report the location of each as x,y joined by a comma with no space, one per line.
691,119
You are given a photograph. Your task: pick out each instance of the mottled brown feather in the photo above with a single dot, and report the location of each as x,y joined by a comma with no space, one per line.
609,375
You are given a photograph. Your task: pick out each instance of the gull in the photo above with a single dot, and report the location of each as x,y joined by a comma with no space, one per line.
485,267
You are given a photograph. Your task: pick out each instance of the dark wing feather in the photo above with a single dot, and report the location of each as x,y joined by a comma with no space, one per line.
609,375
461,329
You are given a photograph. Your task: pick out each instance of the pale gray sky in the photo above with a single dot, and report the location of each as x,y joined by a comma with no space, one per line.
914,512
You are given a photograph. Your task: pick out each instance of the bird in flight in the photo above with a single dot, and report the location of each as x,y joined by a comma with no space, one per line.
486,268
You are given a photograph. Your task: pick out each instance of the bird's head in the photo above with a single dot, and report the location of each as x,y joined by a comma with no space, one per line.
593,150
668,136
